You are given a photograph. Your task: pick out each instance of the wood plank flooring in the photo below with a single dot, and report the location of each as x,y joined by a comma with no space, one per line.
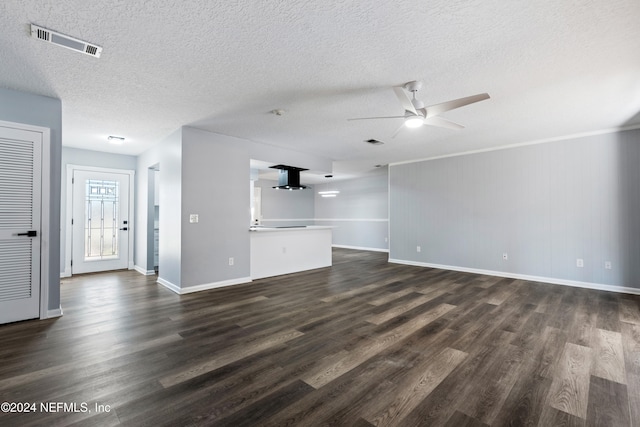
361,343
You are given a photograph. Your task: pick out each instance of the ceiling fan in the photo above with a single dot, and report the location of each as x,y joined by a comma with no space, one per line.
416,114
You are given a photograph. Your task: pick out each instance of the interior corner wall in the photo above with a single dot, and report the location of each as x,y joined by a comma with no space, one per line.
544,205
167,155
215,186
359,214
20,107
205,174
79,157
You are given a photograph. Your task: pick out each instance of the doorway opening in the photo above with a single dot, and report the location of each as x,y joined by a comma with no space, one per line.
154,206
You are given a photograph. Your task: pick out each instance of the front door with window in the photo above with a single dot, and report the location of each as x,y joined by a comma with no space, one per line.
100,221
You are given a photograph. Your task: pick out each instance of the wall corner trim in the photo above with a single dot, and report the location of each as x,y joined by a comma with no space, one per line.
54,313
167,284
551,280
143,271
203,287
221,284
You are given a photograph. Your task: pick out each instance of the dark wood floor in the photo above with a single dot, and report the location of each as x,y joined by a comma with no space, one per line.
361,343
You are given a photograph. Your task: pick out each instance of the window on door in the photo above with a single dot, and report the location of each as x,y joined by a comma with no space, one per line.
101,221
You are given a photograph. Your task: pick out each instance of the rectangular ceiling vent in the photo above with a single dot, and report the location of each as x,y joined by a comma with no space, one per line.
65,41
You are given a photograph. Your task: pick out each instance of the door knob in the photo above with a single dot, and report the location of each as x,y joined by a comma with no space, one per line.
124,229
30,233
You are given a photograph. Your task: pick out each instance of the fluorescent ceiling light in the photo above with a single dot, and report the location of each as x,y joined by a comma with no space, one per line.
329,192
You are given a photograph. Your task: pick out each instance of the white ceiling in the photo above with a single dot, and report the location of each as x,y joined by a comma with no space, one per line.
552,68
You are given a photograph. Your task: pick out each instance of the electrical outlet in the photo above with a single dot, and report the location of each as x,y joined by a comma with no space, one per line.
193,218
418,249
607,265
386,239
505,256
231,260
579,262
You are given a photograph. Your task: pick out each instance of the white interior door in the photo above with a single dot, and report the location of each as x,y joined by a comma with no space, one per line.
100,223
20,214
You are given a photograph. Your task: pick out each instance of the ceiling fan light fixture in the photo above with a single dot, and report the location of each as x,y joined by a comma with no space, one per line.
414,121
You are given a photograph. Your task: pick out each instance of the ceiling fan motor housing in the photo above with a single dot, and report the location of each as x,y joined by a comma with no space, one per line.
417,104
413,86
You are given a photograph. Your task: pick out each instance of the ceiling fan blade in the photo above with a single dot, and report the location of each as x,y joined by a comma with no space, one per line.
374,118
405,100
397,131
436,109
443,123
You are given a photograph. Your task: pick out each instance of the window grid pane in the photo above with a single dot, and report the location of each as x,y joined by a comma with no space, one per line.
101,222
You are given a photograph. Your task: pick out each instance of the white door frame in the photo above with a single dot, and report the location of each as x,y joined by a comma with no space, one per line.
69,214
45,217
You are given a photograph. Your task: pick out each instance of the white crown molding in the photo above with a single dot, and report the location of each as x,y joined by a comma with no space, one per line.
521,144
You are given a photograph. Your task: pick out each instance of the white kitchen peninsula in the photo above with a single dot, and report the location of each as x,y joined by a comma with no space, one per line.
284,250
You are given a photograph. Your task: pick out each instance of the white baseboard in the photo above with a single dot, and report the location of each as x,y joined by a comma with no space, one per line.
167,284
222,284
552,280
203,287
360,248
143,271
65,273
54,313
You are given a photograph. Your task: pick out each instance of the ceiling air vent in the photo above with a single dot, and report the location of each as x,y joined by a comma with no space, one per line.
65,41
42,34
374,142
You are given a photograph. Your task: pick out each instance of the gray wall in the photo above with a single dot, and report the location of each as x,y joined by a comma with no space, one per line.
76,156
19,107
282,207
207,174
545,205
215,185
171,196
359,213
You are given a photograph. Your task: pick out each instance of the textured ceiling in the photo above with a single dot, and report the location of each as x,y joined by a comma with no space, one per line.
552,68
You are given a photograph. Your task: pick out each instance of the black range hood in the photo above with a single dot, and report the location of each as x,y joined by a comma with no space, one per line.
289,177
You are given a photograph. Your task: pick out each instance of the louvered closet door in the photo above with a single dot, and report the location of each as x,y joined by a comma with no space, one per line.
20,186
